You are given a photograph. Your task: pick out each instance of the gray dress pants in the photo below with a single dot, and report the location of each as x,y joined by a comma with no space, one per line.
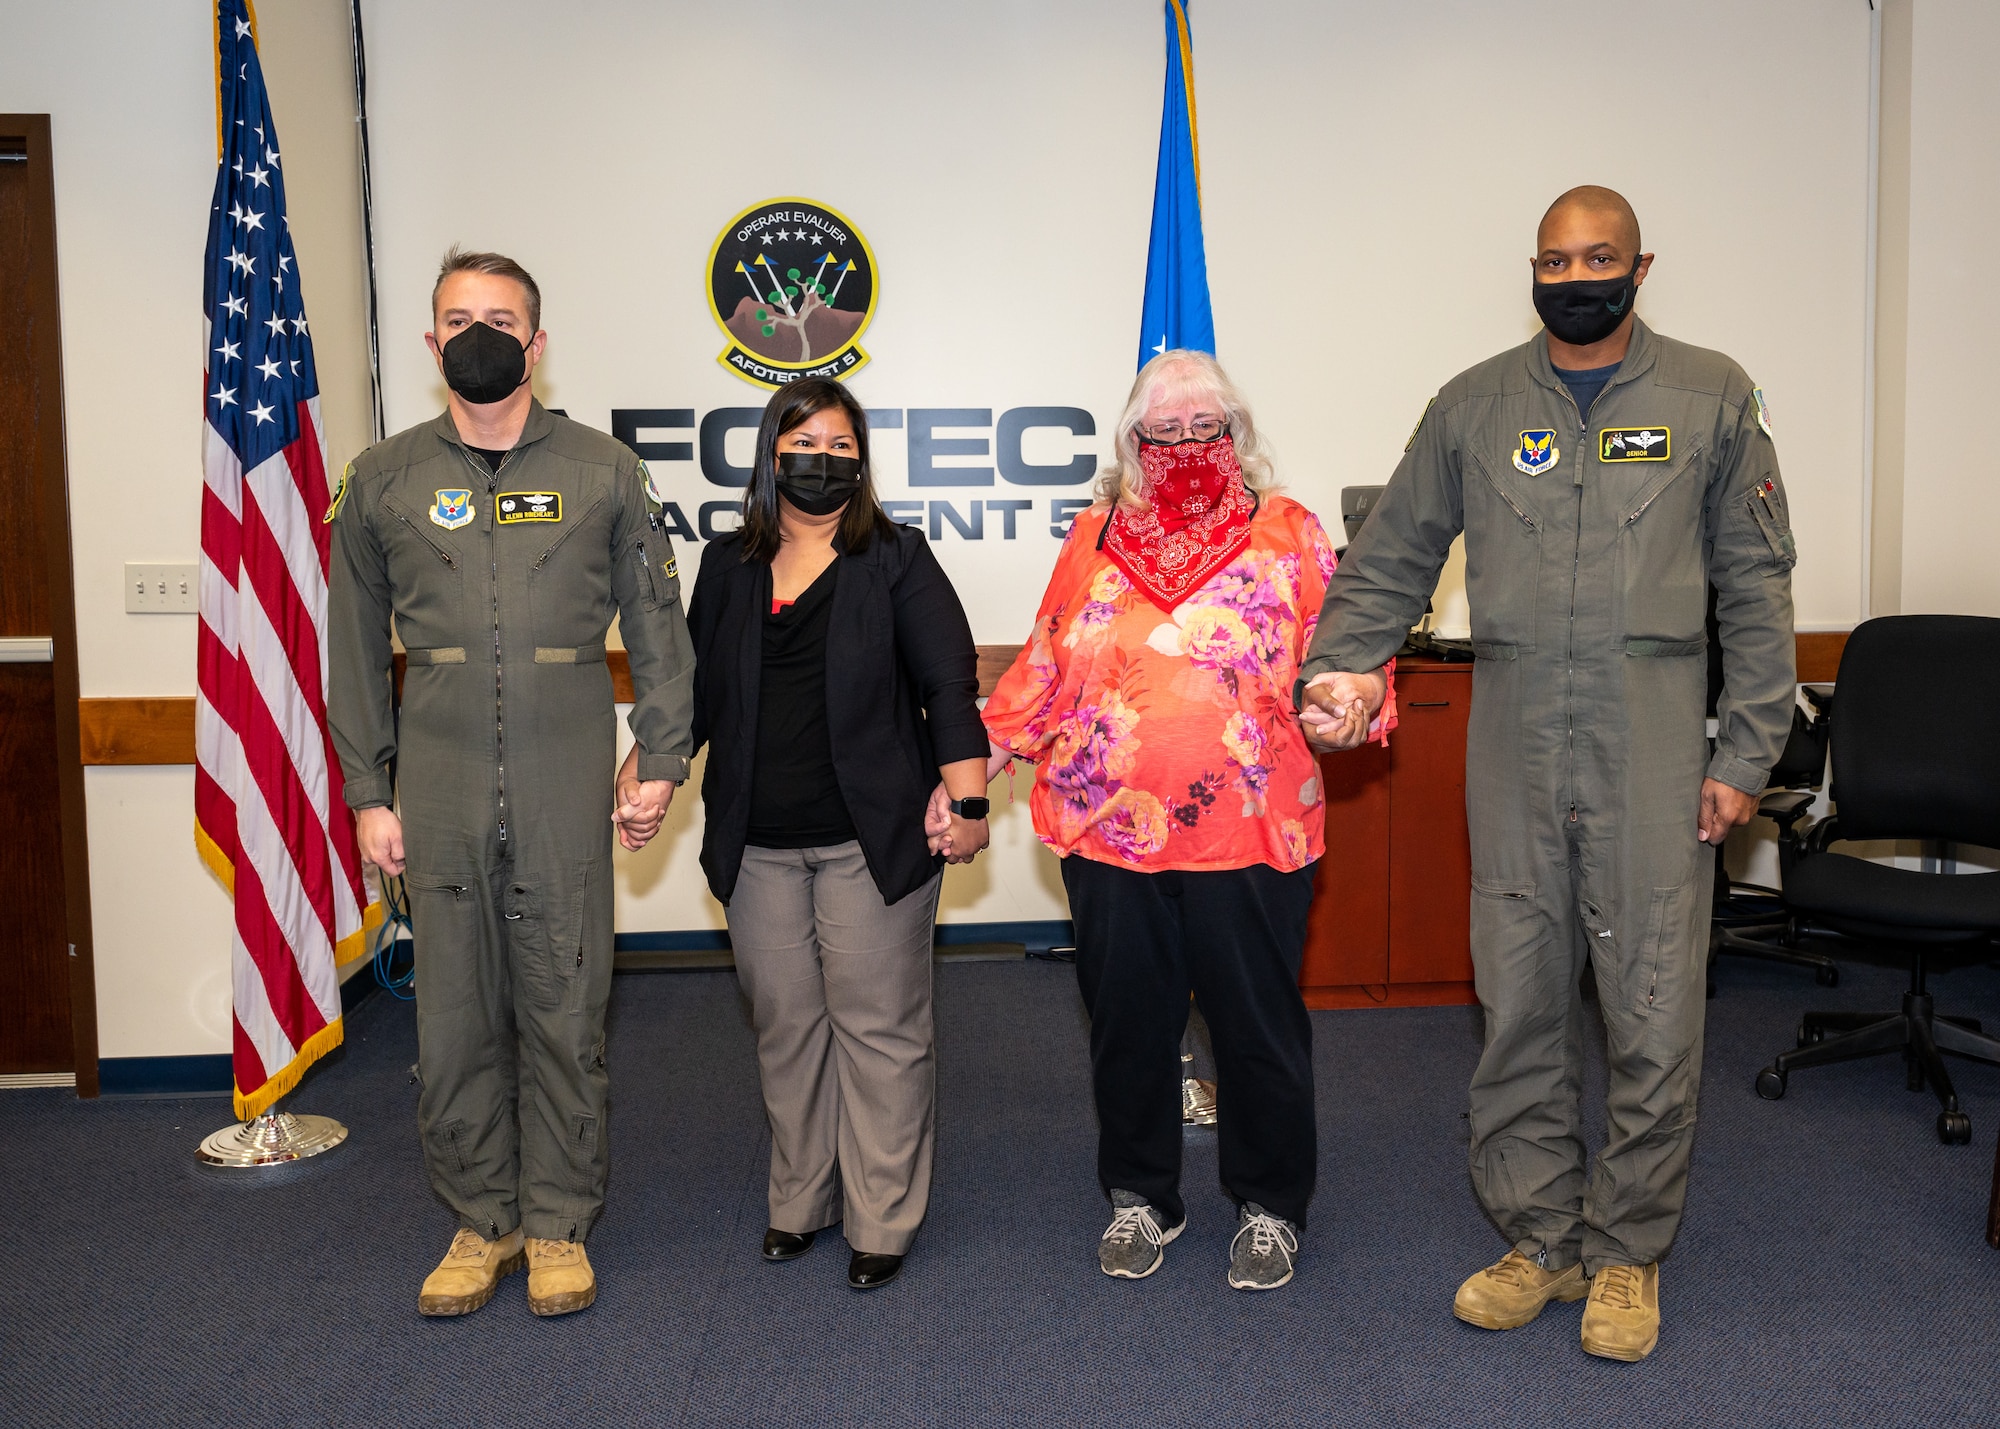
840,991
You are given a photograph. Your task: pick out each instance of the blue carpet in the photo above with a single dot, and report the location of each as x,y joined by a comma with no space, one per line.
1831,1269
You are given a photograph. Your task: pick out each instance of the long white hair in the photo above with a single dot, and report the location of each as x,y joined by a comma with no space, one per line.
1175,376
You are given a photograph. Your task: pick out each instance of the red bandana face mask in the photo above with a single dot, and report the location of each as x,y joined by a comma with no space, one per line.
1197,523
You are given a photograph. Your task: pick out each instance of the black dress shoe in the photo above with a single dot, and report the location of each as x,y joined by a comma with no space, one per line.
869,1272
784,1245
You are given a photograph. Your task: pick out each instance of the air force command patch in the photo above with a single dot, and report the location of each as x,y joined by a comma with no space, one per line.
653,492
514,507
452,509
1763,412
1537,452
1635,444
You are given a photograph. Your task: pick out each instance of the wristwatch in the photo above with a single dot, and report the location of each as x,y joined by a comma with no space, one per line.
974,808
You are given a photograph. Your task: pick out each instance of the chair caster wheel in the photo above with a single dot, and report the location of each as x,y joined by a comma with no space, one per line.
1827,977
1954,1128
1771,1084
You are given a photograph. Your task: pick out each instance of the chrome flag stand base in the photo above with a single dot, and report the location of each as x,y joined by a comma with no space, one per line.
1197,1096
272,1139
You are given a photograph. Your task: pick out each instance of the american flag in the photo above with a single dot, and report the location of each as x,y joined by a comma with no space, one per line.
269,819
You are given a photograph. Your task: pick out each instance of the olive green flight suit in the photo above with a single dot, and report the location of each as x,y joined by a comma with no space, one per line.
502,586
1589,547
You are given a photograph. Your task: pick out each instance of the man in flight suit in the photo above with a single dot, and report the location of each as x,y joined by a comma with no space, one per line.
502,538
1604,477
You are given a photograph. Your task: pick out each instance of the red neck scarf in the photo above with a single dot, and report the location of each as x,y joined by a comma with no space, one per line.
1197,522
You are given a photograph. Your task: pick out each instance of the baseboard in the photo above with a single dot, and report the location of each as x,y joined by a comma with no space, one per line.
955,942
209,1075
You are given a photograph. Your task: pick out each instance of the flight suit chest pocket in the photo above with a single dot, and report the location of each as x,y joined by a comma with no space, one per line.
544,930
1503,558
567,565
1661,582
426,572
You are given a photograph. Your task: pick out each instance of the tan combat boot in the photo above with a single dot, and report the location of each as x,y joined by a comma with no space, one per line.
469,1273
559,1277
1622,1320
1507,1295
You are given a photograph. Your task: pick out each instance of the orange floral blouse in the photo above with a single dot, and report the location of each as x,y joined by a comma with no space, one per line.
1172,742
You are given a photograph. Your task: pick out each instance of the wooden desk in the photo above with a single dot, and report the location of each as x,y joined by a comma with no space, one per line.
1391,918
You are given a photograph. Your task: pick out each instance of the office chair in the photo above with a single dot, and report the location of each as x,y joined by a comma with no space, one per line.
1916,755
1748,919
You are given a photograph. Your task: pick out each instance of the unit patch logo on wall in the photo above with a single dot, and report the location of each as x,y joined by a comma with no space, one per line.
1635,444
529,506
793,284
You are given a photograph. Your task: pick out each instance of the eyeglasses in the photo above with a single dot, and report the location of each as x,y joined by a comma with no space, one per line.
1203,429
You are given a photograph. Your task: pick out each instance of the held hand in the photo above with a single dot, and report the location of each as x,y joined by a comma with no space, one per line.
937,818
642,805
1722,809
965,838
1338,708
380,836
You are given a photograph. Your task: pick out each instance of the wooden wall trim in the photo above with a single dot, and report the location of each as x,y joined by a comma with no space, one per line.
161,731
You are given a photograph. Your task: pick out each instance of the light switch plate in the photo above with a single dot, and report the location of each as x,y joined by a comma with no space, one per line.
158,589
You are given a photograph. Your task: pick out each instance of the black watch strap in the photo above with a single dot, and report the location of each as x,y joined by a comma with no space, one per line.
974,808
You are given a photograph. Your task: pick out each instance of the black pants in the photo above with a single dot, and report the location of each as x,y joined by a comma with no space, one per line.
1233,938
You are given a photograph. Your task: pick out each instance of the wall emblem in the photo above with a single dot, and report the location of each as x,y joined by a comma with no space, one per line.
793,284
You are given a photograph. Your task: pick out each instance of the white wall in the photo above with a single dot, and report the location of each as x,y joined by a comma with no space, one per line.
1373,176
1951,474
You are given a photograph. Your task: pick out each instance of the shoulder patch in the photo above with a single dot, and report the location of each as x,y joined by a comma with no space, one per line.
653,492
1763,412
1422,417
340,485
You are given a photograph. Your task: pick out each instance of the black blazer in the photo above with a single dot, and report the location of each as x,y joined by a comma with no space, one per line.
902,685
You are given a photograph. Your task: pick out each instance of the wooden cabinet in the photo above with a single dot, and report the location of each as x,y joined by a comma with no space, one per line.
1390,922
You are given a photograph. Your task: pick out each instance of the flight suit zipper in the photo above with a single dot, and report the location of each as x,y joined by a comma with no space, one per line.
568,529
499,702
1575,579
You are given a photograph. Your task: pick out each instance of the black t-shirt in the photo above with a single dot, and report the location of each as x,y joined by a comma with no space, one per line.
1585,383
794,797
492,459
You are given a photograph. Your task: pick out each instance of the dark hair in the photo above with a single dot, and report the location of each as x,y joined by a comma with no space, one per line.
499,265
791,405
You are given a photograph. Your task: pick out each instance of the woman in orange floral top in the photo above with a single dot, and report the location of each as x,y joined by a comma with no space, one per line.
1173,776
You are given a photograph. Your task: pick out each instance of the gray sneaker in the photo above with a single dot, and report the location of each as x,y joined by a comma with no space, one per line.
1260,1258
1131,1247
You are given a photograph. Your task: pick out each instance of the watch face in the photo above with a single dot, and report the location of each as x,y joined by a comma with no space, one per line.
975,808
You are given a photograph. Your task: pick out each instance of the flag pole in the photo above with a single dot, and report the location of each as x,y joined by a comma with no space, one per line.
270,820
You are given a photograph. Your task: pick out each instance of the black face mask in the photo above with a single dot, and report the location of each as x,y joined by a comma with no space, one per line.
484,365
1586,310
818,483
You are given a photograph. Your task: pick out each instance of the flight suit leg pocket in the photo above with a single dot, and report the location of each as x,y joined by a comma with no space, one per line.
446,923
544,931
1509,941
1670,986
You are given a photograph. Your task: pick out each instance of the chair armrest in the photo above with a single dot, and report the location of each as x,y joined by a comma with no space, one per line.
1785,808
1820,697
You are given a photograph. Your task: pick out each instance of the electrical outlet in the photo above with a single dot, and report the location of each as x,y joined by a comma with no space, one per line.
155,589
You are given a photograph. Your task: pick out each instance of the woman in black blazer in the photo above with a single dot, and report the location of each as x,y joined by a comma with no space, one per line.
835,685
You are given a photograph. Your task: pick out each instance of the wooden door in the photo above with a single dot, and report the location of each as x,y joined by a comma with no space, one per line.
47,1007
1430,860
